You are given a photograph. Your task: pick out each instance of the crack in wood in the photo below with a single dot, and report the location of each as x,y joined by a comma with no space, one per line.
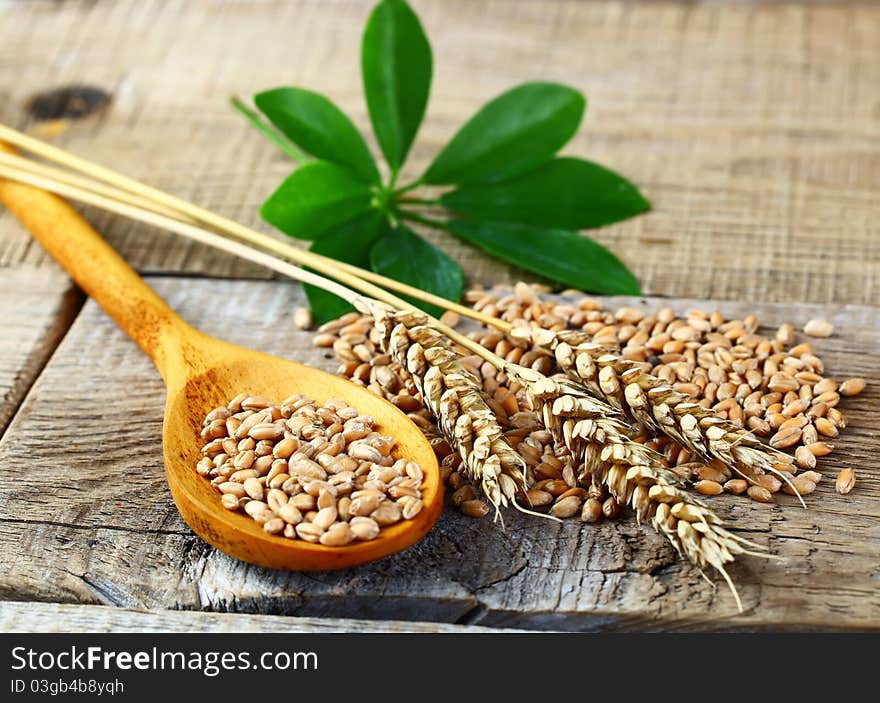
45,304
116,528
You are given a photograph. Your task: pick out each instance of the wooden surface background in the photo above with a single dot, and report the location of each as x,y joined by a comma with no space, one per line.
752,127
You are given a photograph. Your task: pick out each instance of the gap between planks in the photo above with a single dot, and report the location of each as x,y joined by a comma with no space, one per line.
37,308
19,617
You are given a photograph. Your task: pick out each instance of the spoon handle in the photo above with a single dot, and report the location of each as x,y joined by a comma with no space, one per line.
96,268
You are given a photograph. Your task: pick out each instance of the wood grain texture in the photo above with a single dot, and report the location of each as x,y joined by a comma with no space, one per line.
36,309
87,518
57,617
752,127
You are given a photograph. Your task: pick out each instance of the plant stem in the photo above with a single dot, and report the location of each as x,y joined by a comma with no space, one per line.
395,172
128,207
270,132
154,201
415,217
418,201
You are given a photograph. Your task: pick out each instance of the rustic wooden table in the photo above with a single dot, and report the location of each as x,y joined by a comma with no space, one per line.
755,130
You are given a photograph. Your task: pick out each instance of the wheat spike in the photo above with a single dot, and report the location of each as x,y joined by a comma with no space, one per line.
453,395
655,405
632,472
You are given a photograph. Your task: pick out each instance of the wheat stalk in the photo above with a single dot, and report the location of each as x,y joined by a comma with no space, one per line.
644,398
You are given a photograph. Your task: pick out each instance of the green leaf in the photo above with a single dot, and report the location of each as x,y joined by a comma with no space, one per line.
314,198
396,69
561,255
511,134
404,256
319,127
349,242
565,192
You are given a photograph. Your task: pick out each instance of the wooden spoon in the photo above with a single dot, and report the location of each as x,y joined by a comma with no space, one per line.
200,373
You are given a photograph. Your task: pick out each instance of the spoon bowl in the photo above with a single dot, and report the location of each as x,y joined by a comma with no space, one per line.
218,371
201,373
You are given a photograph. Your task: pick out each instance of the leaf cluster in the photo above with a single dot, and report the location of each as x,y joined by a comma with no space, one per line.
502,185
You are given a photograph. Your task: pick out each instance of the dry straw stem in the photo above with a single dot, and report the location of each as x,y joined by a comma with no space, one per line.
144,204
130,198
131,191
198,234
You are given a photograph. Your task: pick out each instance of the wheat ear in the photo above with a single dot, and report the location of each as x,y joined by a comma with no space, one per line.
632,472
453,394
655,405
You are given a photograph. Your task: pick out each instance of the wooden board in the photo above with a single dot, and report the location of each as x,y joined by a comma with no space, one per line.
36,308
87,519
752,127
55,617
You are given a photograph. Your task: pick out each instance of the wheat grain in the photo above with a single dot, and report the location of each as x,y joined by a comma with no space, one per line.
845,482
852,386
302,318
818,328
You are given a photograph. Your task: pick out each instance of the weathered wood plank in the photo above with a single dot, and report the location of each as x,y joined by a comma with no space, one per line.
86,517
36,308
752,127
55,617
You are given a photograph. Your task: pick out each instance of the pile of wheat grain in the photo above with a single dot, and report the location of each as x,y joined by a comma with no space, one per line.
309,472
770,384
